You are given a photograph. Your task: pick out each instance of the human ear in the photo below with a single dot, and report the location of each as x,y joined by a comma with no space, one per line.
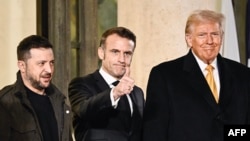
21,65
188,38
101,53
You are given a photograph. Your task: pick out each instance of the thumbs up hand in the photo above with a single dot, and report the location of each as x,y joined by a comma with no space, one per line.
125,85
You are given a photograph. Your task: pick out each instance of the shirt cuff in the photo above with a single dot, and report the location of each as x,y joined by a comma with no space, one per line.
113,102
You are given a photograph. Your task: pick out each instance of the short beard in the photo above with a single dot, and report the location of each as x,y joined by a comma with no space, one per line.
36,84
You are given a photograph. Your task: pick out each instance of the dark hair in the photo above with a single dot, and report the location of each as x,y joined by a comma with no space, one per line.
32,41
121,31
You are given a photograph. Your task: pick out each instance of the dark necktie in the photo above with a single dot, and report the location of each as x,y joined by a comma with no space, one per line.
115,83
124,108
124,99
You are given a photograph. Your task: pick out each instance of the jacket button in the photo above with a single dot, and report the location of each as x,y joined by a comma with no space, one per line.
67,112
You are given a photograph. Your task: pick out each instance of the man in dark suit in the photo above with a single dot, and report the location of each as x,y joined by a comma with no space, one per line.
106,104
180,105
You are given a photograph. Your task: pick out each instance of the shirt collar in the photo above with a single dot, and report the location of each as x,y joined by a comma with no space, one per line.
107,77
203,65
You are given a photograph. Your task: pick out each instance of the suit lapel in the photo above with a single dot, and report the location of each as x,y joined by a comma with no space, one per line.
138,102
101,83
137,111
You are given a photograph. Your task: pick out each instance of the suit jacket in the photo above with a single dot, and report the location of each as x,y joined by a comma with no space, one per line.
95,118
180,106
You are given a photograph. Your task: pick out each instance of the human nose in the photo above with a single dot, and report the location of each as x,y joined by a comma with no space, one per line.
49,67
209,39
122,57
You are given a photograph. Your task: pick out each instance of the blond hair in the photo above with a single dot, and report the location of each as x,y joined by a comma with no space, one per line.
200,16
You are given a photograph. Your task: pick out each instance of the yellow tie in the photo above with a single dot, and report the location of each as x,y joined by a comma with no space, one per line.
211,82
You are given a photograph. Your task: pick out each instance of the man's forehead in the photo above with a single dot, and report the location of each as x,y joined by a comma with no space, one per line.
41,53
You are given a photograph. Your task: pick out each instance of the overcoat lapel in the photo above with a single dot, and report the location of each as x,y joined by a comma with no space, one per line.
227,86
197,80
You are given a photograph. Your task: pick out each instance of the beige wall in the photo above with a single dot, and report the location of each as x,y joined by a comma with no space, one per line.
159,26
17,20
